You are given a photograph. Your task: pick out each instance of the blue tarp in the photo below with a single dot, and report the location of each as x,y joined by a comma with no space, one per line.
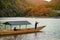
17,23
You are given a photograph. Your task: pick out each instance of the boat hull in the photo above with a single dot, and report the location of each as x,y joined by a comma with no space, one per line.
21,31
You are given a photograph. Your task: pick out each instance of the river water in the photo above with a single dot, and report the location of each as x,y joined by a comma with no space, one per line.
50,32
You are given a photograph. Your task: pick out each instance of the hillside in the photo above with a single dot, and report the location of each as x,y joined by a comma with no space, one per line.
14,8
28,8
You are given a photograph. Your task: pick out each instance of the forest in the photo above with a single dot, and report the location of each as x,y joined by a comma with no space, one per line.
21,8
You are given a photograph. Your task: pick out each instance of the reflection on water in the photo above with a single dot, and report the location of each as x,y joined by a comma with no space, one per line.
8,37
33,36
20,37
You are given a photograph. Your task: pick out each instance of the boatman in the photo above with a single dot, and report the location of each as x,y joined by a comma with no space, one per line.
36,24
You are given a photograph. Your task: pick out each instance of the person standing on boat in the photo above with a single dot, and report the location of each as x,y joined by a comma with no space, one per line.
36,24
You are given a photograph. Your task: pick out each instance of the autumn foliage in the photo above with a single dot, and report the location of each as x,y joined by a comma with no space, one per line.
20,8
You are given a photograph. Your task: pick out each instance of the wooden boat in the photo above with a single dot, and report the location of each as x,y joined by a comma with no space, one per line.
21,31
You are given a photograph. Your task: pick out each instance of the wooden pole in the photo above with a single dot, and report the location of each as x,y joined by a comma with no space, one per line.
20,26
5,27
26,26
10,27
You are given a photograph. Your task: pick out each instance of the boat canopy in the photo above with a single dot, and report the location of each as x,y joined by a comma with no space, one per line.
17,23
